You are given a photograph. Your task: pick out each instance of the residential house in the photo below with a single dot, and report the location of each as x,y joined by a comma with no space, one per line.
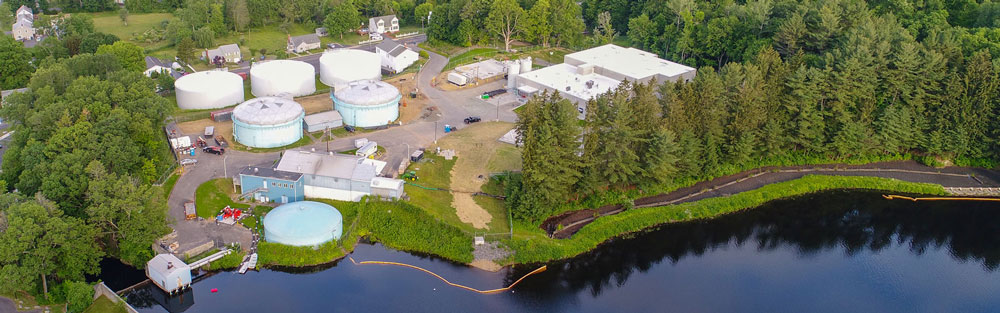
231,53
155,65
23,28
383,24
299,44
395,57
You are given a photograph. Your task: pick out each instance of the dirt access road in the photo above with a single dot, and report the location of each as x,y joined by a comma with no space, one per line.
745,181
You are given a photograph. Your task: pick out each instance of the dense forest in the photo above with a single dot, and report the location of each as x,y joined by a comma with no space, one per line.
76,184
807,82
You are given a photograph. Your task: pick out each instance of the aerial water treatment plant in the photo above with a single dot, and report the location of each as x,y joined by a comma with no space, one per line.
303,223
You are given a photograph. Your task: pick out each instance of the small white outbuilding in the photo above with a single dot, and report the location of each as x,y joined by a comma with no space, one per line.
169,273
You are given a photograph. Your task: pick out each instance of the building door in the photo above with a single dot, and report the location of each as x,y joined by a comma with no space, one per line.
284,199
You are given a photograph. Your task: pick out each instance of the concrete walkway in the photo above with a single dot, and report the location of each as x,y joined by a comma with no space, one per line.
9,306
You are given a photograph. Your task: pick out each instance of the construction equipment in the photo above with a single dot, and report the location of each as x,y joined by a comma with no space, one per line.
410,176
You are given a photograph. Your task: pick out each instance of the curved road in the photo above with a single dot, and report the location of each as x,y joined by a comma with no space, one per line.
452,108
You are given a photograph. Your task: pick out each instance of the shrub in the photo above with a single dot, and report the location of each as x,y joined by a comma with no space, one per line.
400,225
79,295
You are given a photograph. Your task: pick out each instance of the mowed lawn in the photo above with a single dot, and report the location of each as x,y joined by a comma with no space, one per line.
214,195
109,22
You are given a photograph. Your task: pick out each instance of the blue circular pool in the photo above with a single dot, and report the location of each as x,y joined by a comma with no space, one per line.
303,223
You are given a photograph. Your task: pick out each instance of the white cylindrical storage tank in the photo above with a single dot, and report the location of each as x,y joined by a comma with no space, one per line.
268,122
280,77
513,69
367,103
342,66
303,223
526,65
208,90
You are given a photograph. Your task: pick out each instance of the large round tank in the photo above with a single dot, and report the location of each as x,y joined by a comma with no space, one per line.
268,122
303,223
208,90
513,69
342,66
367,103
273,78
525,65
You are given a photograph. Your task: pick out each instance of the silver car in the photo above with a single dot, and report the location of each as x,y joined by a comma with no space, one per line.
188,161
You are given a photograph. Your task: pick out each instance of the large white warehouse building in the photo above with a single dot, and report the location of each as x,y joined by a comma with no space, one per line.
282,77
208,90
268,122
367,103
342,66
589,73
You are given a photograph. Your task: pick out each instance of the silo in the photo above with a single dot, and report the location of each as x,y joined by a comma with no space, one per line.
525,65
208,90
268,122
367,103
513,69
342,66
282,77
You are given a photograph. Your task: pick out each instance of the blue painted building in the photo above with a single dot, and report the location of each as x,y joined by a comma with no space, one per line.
271,185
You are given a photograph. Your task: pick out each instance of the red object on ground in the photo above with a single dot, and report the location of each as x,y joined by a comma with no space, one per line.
214,290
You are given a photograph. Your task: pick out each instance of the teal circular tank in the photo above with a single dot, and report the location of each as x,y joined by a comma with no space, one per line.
303,223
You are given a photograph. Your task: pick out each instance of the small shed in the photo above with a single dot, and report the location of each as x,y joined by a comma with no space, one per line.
387,188
322,121
367,150
189,211
223,115
169,273
209,131
416,156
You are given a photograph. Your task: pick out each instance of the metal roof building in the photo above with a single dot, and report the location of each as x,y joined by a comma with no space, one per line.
322,121
337,176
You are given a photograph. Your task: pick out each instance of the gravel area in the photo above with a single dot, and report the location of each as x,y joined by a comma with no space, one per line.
490,251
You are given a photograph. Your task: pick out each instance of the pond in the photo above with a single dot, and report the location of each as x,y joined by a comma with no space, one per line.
839,251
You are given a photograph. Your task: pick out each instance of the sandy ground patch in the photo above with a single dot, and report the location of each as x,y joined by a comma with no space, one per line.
316,103
410,109
486,265
197,128
475,145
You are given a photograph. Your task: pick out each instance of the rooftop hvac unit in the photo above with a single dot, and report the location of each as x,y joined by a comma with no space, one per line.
567,88
590,84
585,69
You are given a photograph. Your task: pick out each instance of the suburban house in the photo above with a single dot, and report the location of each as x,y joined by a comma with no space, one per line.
321,31
307,174
230,52
155,65
395,57
299,44
383,24
23,28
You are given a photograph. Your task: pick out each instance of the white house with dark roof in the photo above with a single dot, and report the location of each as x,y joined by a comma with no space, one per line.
395,57
299,44
23,27
383,24
155,65
230,52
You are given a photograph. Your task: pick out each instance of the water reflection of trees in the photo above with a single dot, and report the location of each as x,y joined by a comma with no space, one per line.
853,222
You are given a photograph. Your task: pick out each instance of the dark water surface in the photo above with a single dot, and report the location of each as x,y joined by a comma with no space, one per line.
841,251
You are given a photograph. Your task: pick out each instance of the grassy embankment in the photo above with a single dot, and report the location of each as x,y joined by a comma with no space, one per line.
168,185
532,245
104,305
213,195
471,56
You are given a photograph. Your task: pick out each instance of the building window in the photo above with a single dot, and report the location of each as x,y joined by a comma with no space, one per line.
274,184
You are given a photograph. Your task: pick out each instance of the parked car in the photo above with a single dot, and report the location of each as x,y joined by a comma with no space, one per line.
349,128
332,46
188,161
214,150
472,119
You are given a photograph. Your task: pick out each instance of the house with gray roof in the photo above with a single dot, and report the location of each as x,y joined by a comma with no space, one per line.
156,65
231,53
23,27
299,44
383,24
395,57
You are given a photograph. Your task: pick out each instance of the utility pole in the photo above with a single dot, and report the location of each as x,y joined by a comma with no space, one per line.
435,132
225,172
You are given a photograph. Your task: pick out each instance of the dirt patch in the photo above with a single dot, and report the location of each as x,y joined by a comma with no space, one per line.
197,128
316,103
475,145
410,109
486,265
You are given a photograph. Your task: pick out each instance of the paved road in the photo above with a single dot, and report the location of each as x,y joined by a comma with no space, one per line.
452,108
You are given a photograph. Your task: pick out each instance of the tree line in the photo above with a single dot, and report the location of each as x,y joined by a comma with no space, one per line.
480,22
77,175
874,92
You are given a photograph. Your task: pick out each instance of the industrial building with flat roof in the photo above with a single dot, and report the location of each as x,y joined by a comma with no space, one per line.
586,74
304,174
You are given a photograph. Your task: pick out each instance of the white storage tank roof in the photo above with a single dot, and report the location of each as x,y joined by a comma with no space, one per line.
342,66
208,90
268,111
367,92
278,77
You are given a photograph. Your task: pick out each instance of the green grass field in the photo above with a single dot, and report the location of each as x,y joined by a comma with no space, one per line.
104,305
434,172
168,186
108,22
213,195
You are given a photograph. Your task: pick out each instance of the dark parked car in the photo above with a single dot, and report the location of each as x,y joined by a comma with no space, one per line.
349,128
472,119
214,150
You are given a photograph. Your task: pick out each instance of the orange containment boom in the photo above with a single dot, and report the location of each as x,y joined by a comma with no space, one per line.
491,291
894,197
